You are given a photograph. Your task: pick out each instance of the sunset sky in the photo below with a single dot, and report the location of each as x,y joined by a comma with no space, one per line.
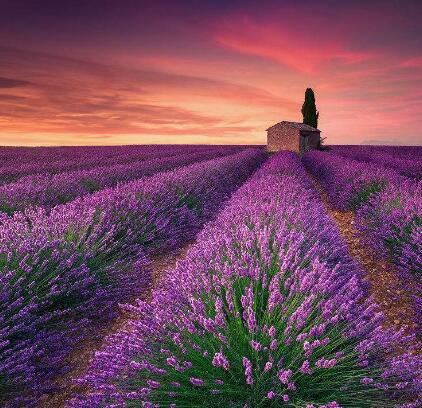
122,72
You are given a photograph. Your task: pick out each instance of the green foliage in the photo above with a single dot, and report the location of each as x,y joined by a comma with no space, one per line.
91,185
342,382
64,198
5,208
309,111
190,201
363,195
401,235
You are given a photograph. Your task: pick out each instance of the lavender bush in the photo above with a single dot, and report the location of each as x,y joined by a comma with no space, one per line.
57,160
391,223
13,155
267,310
63,273
53,160
60,278
406,160
388,212
349,183
49,190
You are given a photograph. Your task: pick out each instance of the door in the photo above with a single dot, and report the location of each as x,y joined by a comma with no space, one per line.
303,144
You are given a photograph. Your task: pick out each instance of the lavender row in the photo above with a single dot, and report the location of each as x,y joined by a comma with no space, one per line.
16,167
52,189
349,183
64,273
96,157
388,212
25,155
408,164
268,309
404,152
391,223
19,155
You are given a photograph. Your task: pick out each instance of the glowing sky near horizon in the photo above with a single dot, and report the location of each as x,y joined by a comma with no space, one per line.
89,72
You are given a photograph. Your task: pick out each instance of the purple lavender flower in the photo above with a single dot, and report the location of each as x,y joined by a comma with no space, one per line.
197,381
65,271
220,361
388,207
261,233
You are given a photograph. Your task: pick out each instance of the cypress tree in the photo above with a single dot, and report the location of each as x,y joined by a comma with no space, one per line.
309,111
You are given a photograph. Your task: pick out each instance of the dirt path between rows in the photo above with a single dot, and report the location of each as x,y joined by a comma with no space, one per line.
83,356
385,285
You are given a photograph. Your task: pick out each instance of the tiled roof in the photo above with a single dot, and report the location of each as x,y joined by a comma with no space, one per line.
295,125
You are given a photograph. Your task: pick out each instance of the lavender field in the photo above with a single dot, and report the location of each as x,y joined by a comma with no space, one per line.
300,285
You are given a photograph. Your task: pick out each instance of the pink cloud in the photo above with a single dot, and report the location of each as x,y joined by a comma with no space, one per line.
415,62
289,44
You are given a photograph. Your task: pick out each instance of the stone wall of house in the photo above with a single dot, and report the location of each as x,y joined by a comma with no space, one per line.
283,139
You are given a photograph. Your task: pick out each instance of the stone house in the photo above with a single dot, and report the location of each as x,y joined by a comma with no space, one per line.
293,136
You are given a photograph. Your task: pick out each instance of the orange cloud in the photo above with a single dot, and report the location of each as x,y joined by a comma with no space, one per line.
99,100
